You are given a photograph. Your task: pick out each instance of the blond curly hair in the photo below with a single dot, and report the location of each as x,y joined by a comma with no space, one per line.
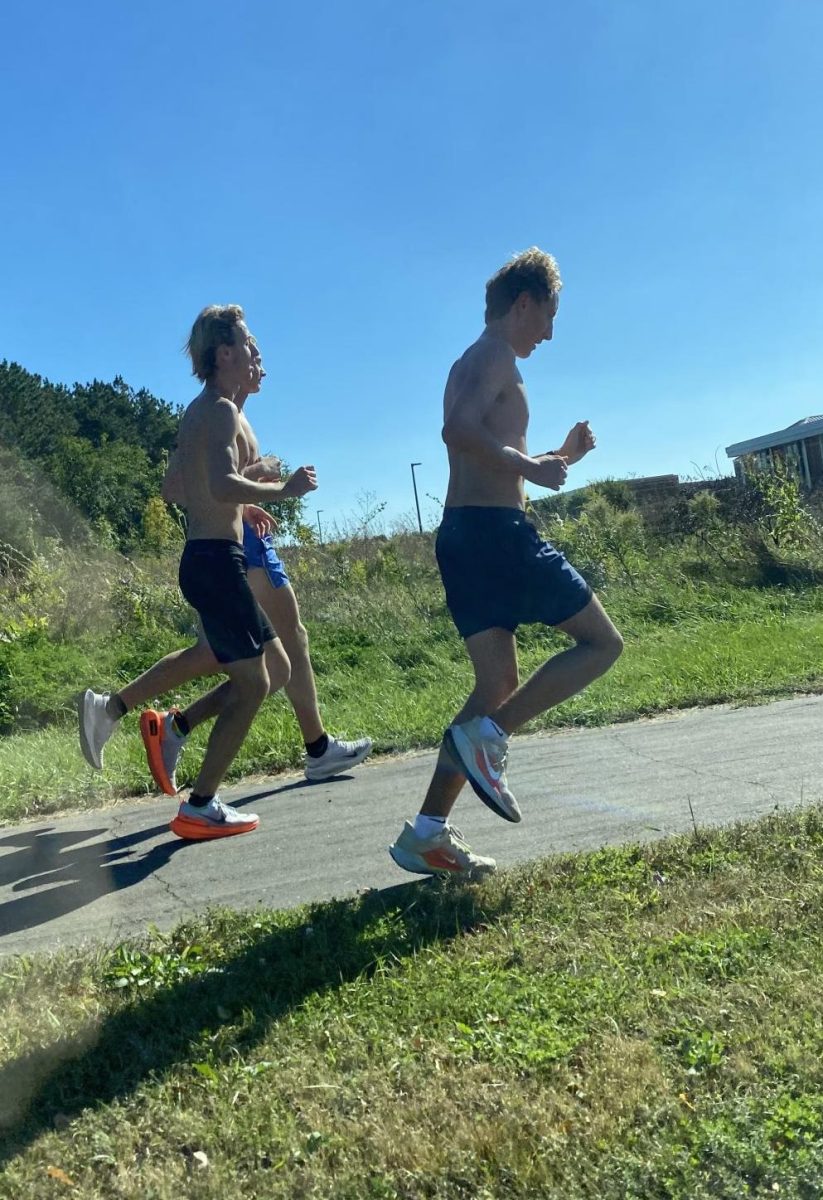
533,271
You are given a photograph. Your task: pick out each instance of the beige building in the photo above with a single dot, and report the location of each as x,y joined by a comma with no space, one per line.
799,447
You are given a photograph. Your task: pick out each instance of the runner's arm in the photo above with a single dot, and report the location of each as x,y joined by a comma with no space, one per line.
264,470
489,373
226,483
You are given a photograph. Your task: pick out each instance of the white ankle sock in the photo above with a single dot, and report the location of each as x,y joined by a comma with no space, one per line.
426,827
489,728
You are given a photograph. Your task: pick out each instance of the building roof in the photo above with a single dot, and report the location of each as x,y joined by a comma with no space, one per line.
805,428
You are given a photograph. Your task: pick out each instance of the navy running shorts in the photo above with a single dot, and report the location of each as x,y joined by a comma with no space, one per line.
498,573
213,580
260,552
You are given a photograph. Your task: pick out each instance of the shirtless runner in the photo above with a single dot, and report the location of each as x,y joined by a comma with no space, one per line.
214,453
164,733
496,570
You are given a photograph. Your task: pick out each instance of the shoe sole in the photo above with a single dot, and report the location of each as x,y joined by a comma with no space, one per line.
150,725
199,831
341,768
85,744
478,784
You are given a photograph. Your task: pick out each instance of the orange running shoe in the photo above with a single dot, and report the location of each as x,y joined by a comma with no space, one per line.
164,745
212,820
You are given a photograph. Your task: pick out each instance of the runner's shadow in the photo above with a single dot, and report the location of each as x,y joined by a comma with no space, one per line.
241,801
72,875
275,969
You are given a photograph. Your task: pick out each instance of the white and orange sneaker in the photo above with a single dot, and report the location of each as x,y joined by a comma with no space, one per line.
196,823
164,745
446,853
482,759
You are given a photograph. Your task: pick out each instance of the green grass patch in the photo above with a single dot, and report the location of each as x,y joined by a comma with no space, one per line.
632,1023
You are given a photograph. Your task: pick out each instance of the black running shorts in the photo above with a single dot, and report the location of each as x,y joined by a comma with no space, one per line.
213,580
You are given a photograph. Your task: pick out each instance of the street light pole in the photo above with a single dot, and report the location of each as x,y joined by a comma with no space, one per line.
416,501
319,530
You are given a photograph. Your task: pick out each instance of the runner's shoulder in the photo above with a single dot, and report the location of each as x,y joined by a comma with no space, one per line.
486,357
491,350
222,415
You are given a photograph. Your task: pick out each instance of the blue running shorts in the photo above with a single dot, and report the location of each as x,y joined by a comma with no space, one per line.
260,552
498,573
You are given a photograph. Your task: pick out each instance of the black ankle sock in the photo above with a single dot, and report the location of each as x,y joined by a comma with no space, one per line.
318,748
116,708
181,724
199,801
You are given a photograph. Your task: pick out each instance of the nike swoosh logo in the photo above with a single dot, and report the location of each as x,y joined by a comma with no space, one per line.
489,769
442,859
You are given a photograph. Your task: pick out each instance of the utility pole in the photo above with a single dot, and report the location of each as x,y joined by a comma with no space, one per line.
416,501
319,530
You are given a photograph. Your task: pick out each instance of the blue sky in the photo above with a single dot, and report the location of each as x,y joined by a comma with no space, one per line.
353,173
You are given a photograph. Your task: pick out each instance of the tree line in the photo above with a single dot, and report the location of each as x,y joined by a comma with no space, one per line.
102,446
91,457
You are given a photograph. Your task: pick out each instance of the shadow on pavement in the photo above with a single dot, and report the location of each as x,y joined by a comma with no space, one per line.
270,973
72,875
242,801
63,875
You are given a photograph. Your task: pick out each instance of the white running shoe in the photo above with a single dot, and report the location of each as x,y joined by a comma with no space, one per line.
96,726
212,820
337,757
447,853
483,761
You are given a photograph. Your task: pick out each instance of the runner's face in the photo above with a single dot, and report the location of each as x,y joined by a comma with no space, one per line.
536,323
239,363
257,365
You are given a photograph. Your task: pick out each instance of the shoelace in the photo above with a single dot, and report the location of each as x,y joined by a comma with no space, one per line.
498,757
458,837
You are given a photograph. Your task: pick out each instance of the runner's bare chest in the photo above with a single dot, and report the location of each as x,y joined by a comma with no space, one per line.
248,450
508,417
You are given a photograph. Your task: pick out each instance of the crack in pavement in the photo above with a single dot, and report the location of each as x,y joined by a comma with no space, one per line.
706,773
166,885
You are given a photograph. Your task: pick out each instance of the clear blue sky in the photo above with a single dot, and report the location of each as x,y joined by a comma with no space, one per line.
353,173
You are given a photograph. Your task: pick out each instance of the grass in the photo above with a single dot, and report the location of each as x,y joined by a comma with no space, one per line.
632,1023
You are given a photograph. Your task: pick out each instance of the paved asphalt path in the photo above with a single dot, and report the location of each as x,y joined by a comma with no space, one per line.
109,873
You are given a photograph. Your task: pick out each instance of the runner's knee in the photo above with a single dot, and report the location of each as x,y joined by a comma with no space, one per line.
614,645
608,644
603,640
